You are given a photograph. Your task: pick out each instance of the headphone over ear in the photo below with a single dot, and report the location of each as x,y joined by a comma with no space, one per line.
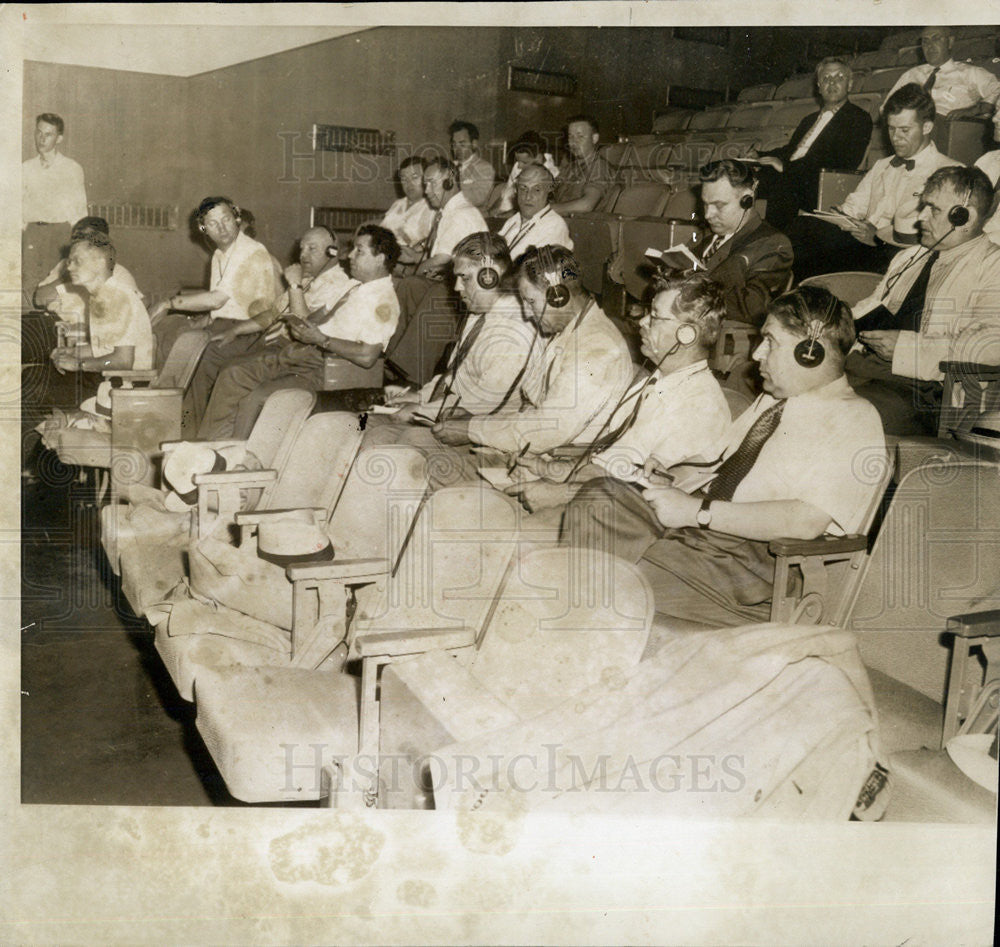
809,353
686,333
556,293
746,201
958,216
488,276
331,251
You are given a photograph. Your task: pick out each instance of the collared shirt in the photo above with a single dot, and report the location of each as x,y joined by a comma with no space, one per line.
323,291
476,175
823,453
989,164
576,175
506,343
458,219
411,224
681,417
822,120
52,193
117,318
74,298
546,228
888,197
586,369
367,313
243,272
962,305
957,85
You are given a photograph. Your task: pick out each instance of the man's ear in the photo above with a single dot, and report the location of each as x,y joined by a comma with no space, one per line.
928,129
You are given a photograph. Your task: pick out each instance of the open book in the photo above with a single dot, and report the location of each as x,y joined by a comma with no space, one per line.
678,257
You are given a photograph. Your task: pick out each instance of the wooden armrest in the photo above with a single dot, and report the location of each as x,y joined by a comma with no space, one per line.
976,624
397,643
146,393
249,478
256,517
131,374
969,368
344,570
214,445
817,547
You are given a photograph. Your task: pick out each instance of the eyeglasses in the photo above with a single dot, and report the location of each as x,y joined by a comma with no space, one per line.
835,77
530,189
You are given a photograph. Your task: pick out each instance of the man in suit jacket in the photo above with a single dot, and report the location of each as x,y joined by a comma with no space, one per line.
835,137
749,258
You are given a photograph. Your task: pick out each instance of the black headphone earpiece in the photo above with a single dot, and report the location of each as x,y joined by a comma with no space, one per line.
488,276
746,201
809,353
958,216
556,293
331,251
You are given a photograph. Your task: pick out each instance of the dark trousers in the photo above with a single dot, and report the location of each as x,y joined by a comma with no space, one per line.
821,247
906,405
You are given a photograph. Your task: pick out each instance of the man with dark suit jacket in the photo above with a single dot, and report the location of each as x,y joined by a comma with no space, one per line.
749,258
835,137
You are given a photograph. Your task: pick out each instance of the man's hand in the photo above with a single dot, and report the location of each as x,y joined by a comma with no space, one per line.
979,110
881,342
863,230
540,494
400,394
673,508
771,162
303,331
65,360
430,270
226,337
160,309
453,431
293,274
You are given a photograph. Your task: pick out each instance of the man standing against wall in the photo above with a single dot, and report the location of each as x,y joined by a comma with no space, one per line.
53,196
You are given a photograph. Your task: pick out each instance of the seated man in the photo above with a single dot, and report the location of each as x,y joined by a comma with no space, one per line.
585,177
529,149
933,301
586,368
356,330
959,89
673,415
790,467
428,316
835,137
315,285
475,173
746,256
239,302
535,224
880,214
117,322
118,328
410,218
497,354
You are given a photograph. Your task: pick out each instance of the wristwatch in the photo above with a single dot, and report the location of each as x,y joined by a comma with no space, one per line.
704,515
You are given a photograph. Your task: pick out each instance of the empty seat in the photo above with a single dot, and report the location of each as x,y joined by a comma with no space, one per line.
796,87
881,80
974,47
738,147
877,59
756,93
642,233
711,119
902,38
753,115
909,56
989,63
614,152
643,199
672,120
870,102
690,155
651,153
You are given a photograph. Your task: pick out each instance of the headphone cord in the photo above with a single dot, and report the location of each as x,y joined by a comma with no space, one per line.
890,283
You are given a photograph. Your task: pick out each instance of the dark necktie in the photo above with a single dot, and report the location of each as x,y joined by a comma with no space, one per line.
898,162
910,312
738,464
447,378
714,247
431,237
931,79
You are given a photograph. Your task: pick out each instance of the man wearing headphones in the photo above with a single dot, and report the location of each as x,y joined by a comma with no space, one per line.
937,302
746,256
428,317
585,361
241,289
315,285
794,464
497,354
676,413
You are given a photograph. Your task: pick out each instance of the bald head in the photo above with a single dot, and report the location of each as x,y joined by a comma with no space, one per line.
936,43
314,249
534,185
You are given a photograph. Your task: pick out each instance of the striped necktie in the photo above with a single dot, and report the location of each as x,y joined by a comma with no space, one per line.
738,464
